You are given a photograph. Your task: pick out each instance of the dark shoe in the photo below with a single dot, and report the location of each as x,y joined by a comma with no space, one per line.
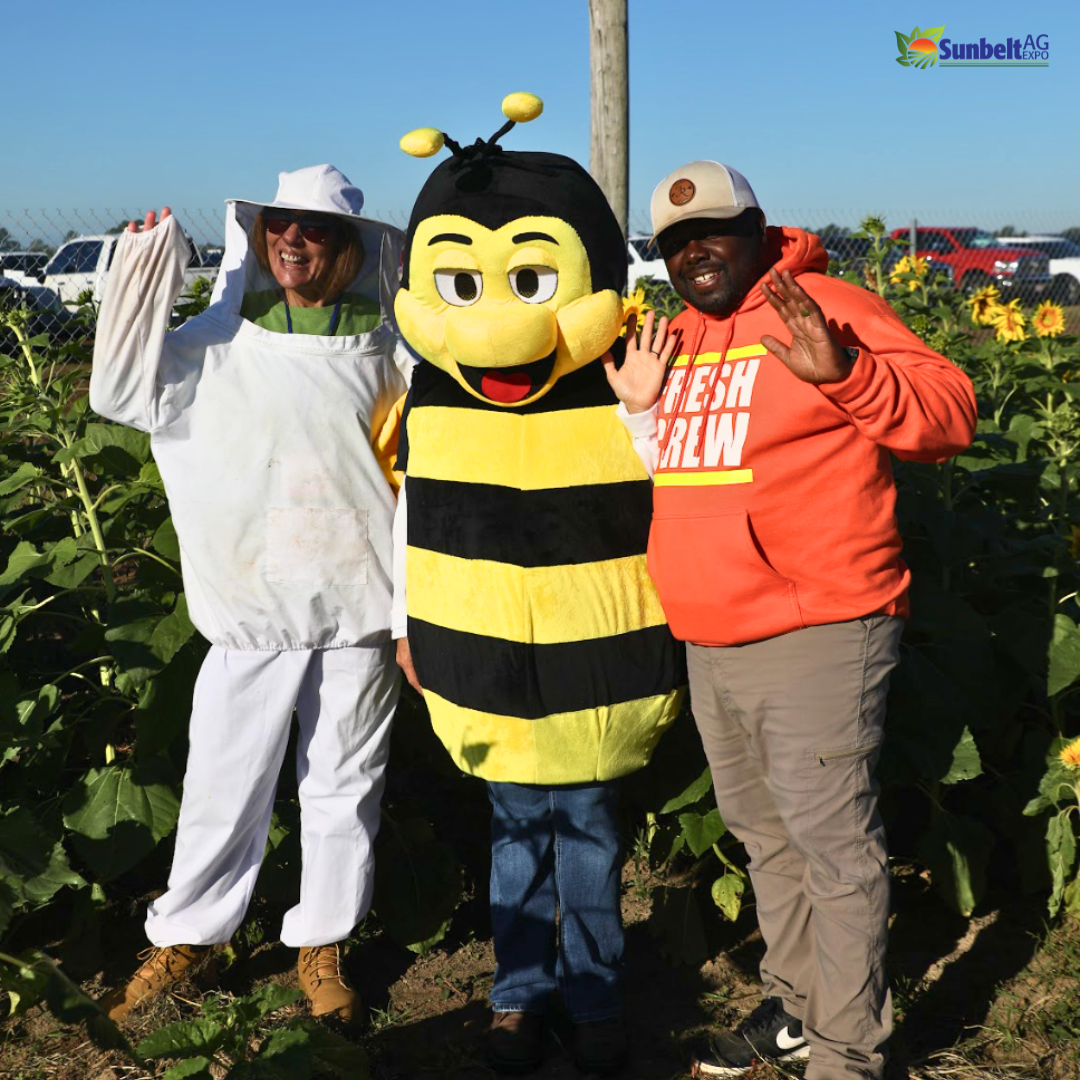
160,969
515,1042
767,1034
600,1047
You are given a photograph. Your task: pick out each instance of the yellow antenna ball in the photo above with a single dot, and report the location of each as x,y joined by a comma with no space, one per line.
522,107
423,142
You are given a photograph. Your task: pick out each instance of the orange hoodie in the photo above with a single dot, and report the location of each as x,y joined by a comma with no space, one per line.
774,503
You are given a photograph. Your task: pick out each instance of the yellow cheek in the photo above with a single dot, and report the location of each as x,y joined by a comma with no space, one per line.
588,327
423,328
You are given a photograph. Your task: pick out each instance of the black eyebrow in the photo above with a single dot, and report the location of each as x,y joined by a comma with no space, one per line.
457,238
523,236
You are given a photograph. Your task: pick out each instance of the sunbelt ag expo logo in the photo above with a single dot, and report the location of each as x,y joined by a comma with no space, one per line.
928,48
919,48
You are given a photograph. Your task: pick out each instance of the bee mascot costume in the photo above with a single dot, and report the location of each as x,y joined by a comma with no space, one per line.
537,636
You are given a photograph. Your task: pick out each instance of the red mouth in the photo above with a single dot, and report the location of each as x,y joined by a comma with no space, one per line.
505,386
509,385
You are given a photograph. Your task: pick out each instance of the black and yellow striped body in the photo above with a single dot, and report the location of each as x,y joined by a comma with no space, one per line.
535,629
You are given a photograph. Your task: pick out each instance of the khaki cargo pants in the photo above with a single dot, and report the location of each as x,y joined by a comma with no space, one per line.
792,728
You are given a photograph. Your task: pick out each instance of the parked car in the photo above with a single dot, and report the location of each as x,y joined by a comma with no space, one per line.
978,259
845,247
849,252
1064,263
82,264
853,253
645,260
23,266
47,314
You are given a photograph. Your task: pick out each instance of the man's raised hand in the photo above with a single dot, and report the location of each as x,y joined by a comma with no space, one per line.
814,354
637,383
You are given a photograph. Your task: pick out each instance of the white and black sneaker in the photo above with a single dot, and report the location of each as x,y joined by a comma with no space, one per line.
768,1034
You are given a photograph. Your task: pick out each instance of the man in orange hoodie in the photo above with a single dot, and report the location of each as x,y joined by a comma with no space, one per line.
768,412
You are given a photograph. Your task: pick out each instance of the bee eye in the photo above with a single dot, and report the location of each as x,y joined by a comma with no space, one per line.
459,287
534,284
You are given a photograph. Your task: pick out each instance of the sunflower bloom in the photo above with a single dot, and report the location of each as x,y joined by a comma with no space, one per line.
1070,755
635,305
1009,322
907,266
1048,320
983,303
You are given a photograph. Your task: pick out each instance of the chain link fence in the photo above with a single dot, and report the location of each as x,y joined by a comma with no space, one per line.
48,258
1032,222
1033,256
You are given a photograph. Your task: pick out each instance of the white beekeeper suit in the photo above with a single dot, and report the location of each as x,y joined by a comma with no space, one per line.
264,442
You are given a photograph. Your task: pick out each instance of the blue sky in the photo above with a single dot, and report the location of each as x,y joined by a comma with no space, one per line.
124,105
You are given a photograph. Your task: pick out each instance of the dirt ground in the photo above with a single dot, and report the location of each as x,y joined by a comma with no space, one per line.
990,998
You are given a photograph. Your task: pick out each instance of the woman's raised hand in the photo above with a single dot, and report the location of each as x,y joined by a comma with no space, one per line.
637,383
151,220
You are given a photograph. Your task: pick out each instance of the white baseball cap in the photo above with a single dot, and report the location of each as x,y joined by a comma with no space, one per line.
701,189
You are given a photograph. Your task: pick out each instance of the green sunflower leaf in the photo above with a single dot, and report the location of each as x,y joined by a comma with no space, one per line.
1061,854
702,830
957,851
1064,655
184,1039
119,815
727,892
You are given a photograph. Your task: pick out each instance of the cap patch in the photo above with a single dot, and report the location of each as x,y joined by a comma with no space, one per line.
682,191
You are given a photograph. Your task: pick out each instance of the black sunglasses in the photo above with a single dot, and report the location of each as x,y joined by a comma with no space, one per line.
314,230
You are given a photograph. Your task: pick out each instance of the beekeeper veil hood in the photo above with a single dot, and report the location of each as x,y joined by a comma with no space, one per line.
320,189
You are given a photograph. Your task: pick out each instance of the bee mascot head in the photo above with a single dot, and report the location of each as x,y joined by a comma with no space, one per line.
514,265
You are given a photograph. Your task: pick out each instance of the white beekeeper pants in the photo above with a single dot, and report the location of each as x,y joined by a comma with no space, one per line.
240,722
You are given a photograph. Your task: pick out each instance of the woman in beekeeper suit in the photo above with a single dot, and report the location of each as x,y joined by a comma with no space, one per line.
266,415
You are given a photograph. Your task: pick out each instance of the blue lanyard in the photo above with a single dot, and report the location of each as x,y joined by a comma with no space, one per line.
333,318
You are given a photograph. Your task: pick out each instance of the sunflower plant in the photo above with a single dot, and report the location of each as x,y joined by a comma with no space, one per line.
634,306
873,274
652,294
909,270
1048,320
1009,321
984,303
990,671
1059,792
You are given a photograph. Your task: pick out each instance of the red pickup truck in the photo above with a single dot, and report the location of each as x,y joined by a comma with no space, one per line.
978,259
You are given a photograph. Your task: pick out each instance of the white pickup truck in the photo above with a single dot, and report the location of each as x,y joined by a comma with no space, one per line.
83,264
23,266
645,261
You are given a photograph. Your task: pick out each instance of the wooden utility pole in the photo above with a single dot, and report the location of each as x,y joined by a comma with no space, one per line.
609,148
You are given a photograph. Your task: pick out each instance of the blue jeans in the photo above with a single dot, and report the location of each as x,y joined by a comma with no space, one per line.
555,866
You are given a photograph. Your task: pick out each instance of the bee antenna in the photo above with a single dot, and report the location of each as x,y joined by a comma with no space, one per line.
500,133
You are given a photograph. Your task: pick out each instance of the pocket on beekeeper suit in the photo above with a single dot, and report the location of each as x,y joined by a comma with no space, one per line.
313,546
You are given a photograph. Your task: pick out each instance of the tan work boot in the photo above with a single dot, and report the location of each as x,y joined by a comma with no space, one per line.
161,968
326,984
